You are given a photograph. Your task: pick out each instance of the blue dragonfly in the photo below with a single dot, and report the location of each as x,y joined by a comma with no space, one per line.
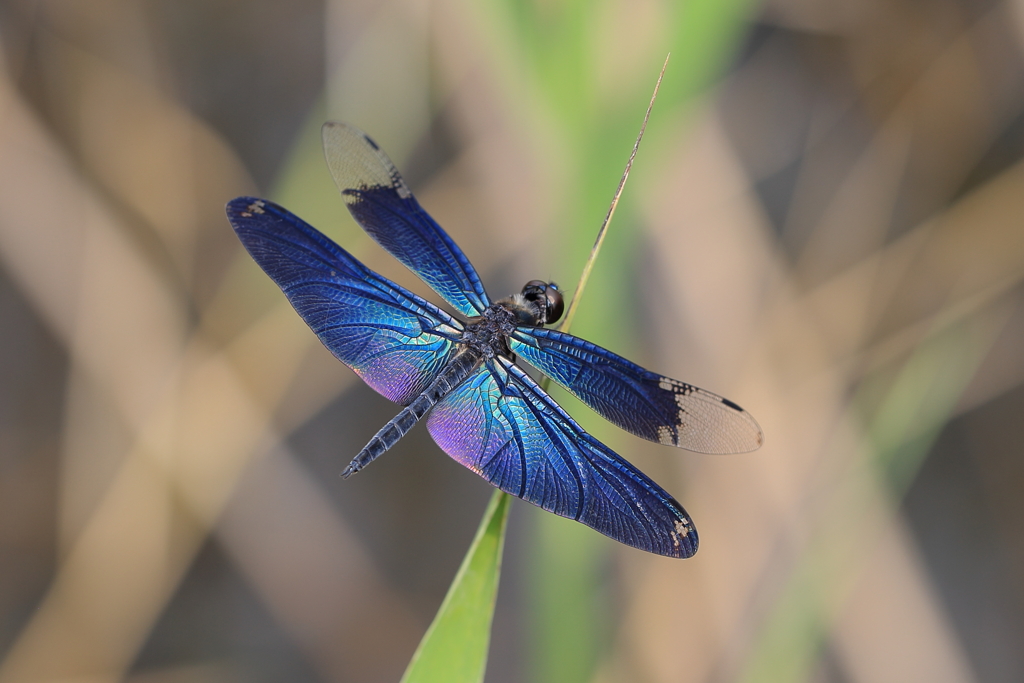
459,371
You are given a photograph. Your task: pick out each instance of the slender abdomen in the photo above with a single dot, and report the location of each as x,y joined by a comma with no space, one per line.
460,367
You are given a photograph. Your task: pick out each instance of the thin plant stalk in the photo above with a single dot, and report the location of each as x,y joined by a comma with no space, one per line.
589,265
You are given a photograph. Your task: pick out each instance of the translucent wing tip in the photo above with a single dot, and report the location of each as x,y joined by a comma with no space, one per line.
356,162
755,435
334,130
708,423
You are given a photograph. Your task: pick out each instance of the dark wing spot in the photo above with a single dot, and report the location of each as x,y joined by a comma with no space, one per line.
732,405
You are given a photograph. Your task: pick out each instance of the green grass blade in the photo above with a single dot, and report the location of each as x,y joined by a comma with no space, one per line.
454,649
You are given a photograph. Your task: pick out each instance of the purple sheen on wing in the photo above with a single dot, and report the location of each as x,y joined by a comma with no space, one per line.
401,375
461,424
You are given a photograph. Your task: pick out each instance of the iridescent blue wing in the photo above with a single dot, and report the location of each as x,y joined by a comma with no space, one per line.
649,405
503,426
393,339
381,202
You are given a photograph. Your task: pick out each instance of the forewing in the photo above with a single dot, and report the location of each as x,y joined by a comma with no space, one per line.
393,339
649,405
381,202
503,426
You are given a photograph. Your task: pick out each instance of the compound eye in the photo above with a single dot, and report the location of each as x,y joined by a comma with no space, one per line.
547,298
555,304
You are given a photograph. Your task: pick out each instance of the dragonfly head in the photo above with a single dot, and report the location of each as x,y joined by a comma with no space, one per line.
546,297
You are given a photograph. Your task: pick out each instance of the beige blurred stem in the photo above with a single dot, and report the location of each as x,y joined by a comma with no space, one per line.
811,506
809,516
192,423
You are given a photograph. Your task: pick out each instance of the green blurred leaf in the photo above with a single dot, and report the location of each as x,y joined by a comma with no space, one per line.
454,649
555,45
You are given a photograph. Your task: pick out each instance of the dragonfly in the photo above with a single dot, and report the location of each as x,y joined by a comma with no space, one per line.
460,371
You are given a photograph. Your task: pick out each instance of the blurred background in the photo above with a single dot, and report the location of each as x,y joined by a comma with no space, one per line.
825,223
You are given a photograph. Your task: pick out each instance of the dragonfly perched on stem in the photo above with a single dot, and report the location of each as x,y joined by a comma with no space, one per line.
459,371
